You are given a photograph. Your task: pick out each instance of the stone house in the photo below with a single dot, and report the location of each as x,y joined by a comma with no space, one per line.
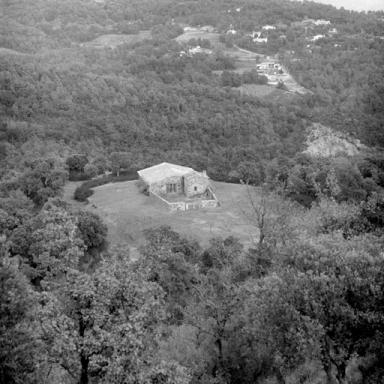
179,186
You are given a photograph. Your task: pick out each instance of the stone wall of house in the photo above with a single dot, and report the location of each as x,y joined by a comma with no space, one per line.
195,184
209,203
184,205
160,188
178,206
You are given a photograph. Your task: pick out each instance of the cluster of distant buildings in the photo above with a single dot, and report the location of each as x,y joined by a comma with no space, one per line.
261,36
311,26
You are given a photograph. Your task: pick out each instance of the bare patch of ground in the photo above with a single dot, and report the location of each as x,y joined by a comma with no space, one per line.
128,213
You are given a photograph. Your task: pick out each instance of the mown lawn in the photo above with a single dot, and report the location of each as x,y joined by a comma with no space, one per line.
128,213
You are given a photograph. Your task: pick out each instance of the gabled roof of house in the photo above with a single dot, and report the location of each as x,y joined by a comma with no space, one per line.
162,171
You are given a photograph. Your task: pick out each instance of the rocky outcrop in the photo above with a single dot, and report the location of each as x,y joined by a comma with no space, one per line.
323,141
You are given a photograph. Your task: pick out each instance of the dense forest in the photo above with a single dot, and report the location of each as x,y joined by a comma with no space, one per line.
304,304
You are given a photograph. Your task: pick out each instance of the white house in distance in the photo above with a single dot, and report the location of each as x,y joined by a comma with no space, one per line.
317,37
180,188
322,22
231,30
257,37
268,27
198,49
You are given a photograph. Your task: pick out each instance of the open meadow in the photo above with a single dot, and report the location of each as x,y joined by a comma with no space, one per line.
197,33
114,40
127,213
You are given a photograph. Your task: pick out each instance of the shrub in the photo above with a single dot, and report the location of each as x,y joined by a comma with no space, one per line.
82,193
281,85
78,176
142,187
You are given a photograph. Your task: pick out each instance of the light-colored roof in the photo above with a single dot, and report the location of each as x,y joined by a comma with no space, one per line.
162,171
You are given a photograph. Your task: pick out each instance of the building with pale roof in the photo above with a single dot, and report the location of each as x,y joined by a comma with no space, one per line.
179,186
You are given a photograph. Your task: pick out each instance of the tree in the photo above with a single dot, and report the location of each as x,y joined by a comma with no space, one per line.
106,327
49,244
214,303
93,231
19,346
119,160
271,215
251,172
101,163
337,283
90,170
268,332
42,181
77,162
230,79
169,260
15,209
220,254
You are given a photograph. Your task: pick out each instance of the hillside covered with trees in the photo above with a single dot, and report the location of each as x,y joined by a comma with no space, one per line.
304,304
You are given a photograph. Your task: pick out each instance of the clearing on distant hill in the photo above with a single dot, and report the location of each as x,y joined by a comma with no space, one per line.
257,90
114,40
199,33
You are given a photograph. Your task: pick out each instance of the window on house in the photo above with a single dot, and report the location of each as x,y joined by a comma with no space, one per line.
171,188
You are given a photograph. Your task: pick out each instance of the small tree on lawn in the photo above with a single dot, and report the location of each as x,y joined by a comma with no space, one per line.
119,160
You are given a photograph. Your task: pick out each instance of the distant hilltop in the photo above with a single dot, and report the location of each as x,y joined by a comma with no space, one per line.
356,5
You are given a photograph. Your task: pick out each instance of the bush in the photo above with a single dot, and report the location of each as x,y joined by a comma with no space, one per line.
281,85
76,163
77,176
82,193
142,187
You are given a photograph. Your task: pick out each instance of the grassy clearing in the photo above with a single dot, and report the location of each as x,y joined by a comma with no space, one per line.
213,37
113,40
127,213
257,90
6,51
